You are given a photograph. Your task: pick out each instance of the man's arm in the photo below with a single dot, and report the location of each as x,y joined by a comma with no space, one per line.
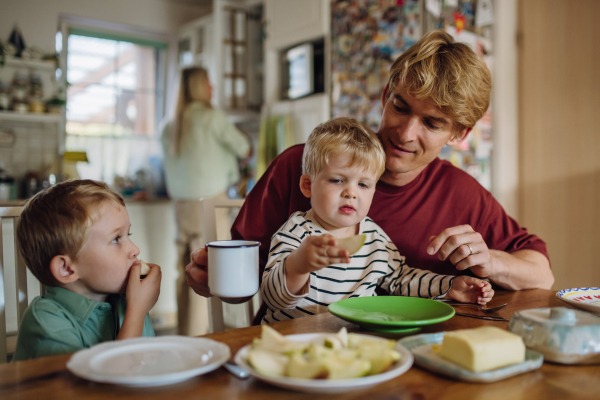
522,269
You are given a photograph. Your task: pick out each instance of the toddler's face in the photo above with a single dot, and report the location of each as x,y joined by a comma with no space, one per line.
341,195
104,261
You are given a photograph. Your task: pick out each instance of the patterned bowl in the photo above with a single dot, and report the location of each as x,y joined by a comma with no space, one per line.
587,298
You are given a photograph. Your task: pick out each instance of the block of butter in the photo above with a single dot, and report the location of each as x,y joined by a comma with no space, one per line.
482,349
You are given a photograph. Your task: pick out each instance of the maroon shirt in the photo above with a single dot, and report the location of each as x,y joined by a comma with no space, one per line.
442,196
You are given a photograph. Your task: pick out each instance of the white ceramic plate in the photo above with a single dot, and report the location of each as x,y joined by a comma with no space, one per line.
421,347
324,385
586,298
149,361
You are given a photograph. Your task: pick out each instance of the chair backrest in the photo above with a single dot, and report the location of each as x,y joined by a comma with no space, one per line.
208,218
18,286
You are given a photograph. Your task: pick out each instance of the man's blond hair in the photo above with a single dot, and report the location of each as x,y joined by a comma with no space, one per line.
343,136
449,73
55,221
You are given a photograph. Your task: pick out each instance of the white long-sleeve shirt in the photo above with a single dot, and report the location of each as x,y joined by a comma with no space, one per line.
377,264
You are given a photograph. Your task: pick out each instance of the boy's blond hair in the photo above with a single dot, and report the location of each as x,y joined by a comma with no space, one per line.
449,73
54,222
343,136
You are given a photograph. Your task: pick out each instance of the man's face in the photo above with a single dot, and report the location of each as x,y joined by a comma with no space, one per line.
413,132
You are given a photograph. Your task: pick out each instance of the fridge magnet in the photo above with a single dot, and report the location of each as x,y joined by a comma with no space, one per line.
485,13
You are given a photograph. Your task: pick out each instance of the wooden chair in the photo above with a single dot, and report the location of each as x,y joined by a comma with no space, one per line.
209,234
18,286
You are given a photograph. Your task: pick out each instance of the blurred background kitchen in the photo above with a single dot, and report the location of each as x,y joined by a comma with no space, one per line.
85,86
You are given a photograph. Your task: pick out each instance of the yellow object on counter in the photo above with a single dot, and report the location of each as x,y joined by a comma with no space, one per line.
482,349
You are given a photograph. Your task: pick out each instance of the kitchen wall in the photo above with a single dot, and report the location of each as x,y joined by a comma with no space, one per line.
559,99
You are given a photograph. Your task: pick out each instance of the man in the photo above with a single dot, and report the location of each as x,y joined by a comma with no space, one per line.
438,216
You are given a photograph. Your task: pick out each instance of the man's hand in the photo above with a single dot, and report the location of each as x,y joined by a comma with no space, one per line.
314,253
196,272
464,248
467,289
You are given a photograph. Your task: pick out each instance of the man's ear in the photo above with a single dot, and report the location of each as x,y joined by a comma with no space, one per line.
305,185
459,137
61,268
384,94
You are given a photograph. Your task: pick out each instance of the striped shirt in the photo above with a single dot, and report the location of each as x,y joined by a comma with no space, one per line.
377,264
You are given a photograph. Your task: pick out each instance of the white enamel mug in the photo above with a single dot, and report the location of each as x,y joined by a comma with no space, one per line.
233,268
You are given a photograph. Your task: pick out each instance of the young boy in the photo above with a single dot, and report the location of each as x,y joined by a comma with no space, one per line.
74,237
341,164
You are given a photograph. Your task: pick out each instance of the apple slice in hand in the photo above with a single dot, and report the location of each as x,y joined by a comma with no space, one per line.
352,243
145,269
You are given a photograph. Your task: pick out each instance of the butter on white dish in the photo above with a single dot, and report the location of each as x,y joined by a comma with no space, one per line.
352,243
482,349
145,269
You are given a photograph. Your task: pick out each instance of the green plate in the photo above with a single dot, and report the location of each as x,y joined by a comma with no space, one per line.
391,313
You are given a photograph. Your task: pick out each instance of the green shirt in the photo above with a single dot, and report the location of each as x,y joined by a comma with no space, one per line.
64,322
208,159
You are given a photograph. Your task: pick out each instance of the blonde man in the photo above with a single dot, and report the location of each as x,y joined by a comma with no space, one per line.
74,238
440,217
306,271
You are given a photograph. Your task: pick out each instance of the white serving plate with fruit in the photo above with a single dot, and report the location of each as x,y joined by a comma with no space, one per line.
340,367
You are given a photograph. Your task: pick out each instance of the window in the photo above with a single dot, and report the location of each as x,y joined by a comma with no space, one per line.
115,101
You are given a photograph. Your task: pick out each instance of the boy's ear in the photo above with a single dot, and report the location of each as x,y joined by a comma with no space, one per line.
305,185
61,268
459,137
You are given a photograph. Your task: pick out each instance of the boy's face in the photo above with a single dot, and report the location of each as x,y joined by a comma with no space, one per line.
107,254
341,195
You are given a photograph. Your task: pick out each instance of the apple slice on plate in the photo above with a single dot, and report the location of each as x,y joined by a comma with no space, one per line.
352,243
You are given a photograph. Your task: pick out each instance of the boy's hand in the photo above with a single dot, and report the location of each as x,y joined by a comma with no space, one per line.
142,294
314,253
467,289
318,252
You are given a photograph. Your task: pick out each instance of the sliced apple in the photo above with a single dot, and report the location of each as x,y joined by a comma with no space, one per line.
272,340
346,369
337,341
380,356
300,367
267,362
352,243
145,269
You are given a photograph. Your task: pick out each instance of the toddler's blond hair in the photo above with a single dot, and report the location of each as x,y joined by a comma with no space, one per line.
343,136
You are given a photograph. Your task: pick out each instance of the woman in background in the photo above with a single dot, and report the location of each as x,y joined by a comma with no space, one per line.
201,151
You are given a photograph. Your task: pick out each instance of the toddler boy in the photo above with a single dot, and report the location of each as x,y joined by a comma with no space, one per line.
341,164
74,238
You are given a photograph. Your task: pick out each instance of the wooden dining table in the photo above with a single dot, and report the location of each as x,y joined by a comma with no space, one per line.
49,378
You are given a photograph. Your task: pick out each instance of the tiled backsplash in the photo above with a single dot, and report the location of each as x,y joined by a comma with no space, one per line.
35,147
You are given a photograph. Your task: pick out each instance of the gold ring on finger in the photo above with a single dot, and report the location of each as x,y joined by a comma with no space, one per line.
470,249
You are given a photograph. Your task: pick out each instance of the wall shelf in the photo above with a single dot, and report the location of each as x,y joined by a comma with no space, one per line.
37,64
29,117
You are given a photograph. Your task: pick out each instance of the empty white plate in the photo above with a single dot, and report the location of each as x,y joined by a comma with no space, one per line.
149,361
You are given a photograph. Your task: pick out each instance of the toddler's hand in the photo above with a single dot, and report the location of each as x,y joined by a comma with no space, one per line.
142,294
318,252
467,289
